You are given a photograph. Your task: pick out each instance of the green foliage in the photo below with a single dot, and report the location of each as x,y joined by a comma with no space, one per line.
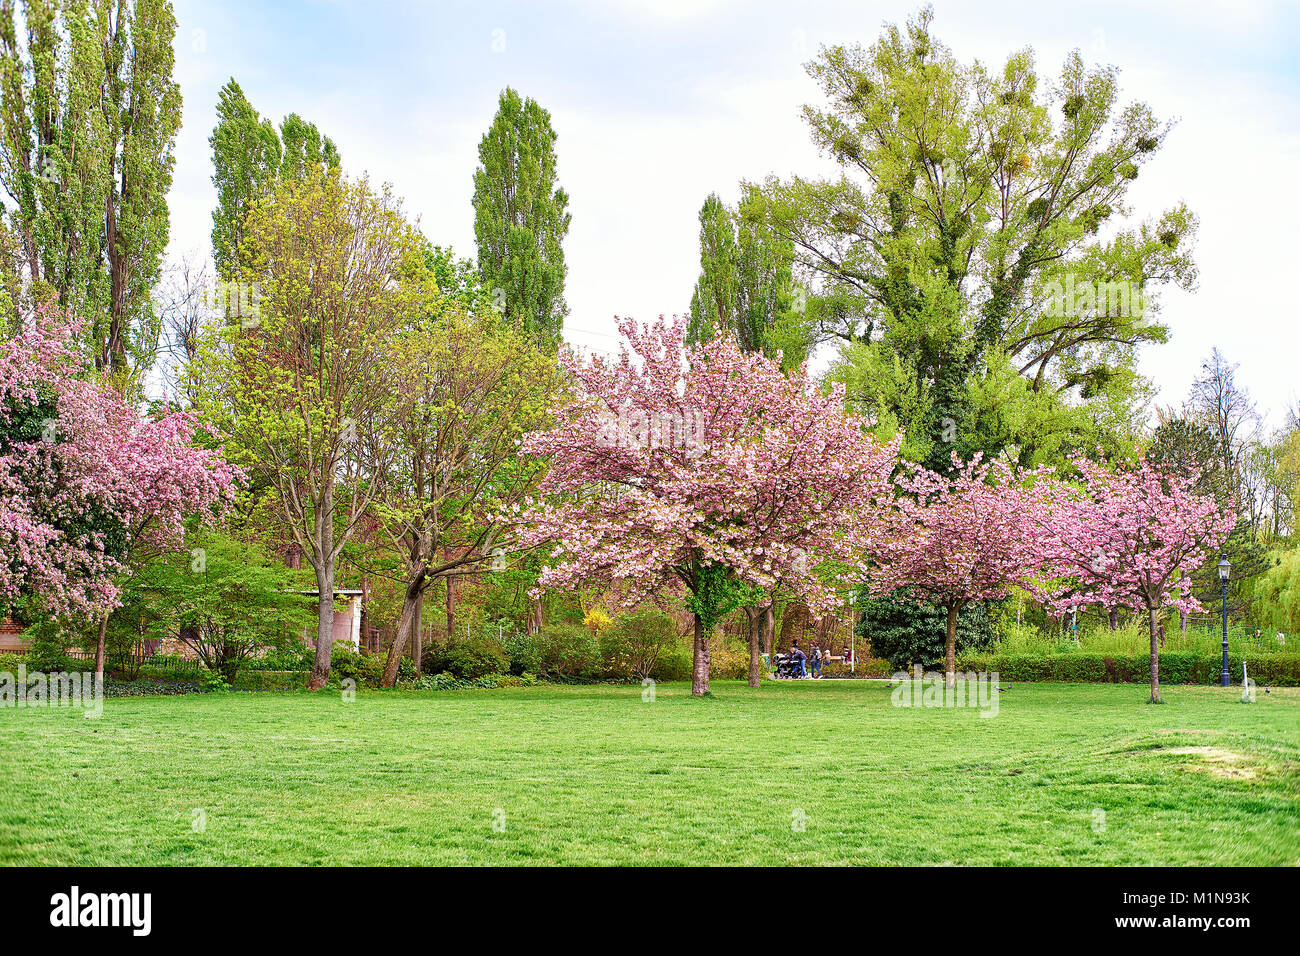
746,284
568,651
248,158
632,648
294,657
521,648
906,632
470,657
1176,667
969,201
714,595
347,663
521,218
225,599
88,125
1276,596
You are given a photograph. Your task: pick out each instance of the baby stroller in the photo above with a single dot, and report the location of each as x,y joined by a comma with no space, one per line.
787,667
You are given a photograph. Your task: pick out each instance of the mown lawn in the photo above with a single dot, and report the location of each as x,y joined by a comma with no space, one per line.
596,775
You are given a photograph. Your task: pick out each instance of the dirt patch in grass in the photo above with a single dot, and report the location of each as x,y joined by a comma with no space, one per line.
1218,762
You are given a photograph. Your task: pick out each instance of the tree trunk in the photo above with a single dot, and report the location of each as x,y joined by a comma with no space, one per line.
769,628
410,604
451,608
1182,620
700,666
417,634
1155,656
365,613
950,650
1114,619
755,644
100,645
320,671
534,621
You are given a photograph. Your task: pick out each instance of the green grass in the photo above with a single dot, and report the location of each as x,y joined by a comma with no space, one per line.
594,775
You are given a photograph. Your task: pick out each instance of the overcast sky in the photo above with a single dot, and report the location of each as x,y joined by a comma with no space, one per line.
659,102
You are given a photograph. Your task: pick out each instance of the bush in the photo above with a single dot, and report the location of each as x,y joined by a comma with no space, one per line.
905,632
673,664
365,668
467,657
632,647
568,651
521,648
298,658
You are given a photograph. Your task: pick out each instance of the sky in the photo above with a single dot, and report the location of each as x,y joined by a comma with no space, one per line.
657,103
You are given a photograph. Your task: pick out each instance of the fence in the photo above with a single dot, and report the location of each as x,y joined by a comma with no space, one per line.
132,662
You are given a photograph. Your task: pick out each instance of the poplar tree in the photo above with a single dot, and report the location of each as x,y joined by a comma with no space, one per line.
521,218
248,158
89,113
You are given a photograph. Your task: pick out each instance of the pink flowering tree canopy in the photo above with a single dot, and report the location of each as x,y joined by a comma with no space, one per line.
86,482
706,469
1127,537
957,540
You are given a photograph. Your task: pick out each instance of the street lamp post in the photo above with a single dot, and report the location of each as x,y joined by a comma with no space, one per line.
1224,567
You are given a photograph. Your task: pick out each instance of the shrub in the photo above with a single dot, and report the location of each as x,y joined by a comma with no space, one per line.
568,651
674,663
632,647
471,657
364,668
521,648
295,658
905,632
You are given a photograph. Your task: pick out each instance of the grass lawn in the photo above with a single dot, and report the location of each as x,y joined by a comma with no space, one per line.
594,775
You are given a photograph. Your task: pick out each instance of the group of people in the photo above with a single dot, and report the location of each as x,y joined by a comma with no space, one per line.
813,658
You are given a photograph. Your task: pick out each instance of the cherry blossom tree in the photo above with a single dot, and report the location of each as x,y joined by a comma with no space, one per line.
87,483
1126,537
958,540
706,469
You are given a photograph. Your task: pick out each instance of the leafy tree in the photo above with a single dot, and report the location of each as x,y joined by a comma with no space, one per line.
89,114
467,390
1127,538
302,389
717,478
248,158
958,541
746,285
97,486
521,217
967,218
227,600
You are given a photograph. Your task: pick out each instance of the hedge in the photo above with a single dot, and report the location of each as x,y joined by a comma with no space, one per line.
1181,667
270,680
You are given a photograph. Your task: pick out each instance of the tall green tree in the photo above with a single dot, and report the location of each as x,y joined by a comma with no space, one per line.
248,158
302,391
965,231
521,217
88,119
746,284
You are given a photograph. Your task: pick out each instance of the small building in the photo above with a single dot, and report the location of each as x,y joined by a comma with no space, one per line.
347,622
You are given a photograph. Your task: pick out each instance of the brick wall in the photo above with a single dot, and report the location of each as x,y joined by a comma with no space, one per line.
11,636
